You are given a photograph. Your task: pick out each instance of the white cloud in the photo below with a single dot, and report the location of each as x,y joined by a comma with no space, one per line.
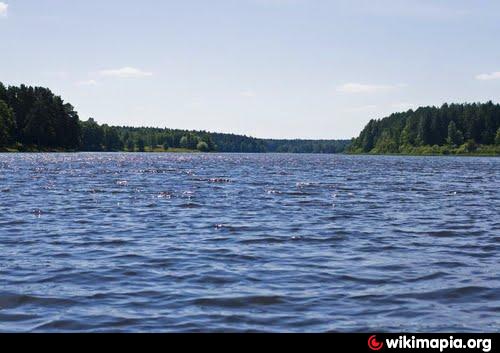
491,76
365,88
87,83
3,9
126,72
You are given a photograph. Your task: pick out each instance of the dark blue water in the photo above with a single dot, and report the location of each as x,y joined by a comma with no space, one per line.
181,242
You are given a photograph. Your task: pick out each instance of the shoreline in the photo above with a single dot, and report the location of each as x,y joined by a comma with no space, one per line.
185,151
426,154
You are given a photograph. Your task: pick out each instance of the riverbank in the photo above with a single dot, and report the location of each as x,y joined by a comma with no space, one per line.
35,149
472,150
184,150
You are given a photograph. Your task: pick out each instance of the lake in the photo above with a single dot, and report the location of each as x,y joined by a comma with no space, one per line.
240,242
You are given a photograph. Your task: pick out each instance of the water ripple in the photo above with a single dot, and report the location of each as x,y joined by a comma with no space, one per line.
236,242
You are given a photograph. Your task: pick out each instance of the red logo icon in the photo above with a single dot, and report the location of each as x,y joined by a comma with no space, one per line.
373,344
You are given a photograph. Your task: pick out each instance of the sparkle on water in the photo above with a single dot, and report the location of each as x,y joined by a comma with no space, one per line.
238,242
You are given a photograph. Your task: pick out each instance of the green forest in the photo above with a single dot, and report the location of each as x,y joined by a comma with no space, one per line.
449,129
35,119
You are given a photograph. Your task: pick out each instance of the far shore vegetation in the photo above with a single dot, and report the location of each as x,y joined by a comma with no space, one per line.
33,119
452,129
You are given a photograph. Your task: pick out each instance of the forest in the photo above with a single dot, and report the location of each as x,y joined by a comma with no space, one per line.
35,119
449,129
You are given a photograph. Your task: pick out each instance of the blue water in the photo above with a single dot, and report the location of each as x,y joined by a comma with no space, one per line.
223,242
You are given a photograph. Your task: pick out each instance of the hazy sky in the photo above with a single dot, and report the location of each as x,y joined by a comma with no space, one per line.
267,68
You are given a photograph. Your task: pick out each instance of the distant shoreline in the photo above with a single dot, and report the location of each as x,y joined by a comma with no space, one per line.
425,154
33,119
188,151
452,129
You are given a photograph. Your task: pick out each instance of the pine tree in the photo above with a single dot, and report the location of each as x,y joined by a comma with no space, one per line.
92,136
424,131
130,145
455,136
7,125
141,145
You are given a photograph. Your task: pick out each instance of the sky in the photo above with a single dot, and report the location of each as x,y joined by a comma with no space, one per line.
265,68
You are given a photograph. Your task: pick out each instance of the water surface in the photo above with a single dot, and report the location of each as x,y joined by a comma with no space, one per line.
239,242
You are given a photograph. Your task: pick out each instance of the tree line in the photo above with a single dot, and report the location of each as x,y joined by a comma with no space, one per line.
451,128
34,118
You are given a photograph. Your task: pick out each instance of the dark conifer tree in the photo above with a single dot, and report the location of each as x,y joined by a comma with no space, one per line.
7,125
